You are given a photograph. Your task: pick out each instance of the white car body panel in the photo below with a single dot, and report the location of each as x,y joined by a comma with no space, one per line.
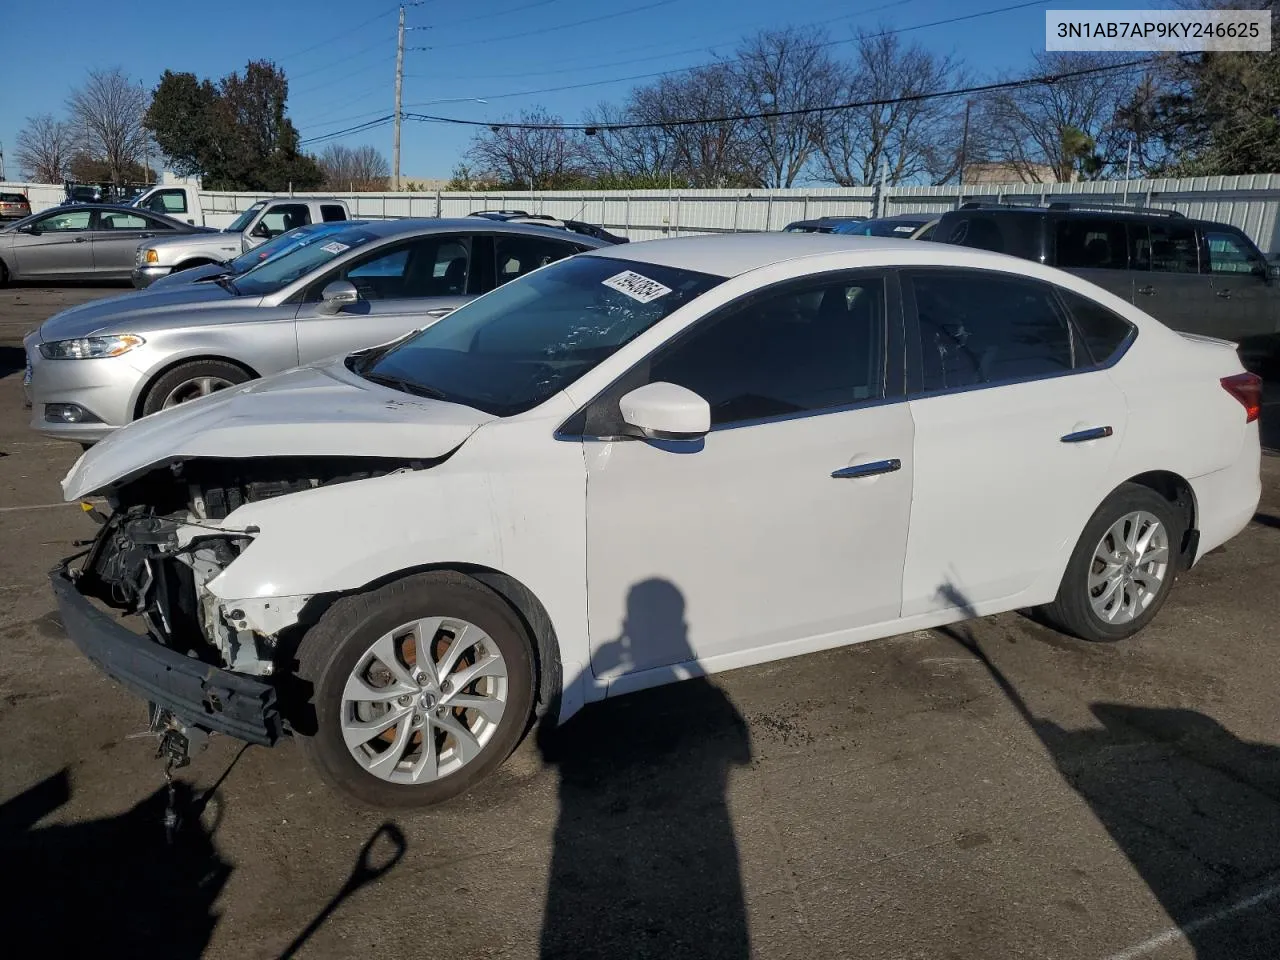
773,557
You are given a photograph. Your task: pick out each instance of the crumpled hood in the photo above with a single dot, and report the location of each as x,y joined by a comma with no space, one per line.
318,410
137,311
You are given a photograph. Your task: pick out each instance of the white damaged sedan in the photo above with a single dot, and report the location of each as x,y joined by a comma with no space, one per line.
646,463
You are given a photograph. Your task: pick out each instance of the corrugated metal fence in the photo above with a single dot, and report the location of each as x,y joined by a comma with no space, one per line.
1248,202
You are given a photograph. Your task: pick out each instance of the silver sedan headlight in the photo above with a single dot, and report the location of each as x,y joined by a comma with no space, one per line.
90,348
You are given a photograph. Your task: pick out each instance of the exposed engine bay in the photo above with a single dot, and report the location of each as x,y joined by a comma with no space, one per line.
164,542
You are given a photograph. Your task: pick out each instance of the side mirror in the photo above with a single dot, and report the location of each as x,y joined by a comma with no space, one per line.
665,411
1273,270
30,228
261,230
336,295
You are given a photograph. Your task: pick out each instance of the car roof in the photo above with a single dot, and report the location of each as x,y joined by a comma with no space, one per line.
414,225
728,255
1091,213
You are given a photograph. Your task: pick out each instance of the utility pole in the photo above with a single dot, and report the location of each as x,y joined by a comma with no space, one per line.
146,145
964,146
395,149
1,162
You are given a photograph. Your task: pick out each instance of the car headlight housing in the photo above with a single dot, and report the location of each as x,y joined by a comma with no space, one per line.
150,255
90,348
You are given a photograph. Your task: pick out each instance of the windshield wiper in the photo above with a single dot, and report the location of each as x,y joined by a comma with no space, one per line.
405,386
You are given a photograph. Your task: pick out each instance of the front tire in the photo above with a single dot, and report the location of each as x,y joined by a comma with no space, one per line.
394,728
188,381
1122,568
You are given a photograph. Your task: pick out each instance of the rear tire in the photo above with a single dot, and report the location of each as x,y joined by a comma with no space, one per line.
343,661
187,381
4,274
1122,568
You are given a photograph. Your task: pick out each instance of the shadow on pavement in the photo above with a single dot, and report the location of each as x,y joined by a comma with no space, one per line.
107,887
1193,807
645,863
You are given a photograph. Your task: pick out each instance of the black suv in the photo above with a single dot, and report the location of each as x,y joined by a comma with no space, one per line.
1193,275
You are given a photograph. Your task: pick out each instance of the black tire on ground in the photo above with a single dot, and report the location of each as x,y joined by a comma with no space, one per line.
4,274
186,372
1071,611
332,648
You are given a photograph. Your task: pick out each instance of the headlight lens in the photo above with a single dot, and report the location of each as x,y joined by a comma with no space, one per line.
90,348
149,255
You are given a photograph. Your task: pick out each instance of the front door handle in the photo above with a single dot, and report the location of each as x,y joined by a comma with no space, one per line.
867,469
82,239
441,311
1147,291
1225,294
145,236
1092,433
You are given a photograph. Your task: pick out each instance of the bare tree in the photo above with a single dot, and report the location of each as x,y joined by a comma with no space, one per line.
785,70
637,157
354,168
912,137
44,148
1054,128
534,159
107,113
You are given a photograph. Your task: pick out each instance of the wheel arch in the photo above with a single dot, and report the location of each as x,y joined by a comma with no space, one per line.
192,263
154,376
549,672
1178,491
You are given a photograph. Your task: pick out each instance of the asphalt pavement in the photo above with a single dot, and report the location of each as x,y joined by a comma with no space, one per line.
984,791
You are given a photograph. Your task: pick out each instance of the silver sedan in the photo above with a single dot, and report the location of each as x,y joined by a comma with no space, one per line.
97,366
81,242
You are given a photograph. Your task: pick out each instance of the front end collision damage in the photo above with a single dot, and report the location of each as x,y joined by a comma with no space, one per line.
158,557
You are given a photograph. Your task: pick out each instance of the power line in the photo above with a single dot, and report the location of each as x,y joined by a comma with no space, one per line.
358,128
333,63
670,53
562,26
487,16
803,111
341,36
715,63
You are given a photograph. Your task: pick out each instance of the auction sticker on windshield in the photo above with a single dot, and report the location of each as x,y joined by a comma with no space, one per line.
334,247
636,287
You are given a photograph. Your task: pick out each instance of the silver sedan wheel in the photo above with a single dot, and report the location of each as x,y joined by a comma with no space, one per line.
193,388
1129,567
423,700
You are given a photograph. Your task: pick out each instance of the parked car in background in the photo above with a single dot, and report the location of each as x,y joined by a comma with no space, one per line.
82,242
906,226
542,219
14,206
247,261
1194,275
263,221
820,224
180,201
99,365
644,464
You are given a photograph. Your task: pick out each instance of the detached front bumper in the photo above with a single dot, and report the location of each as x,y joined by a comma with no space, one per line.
199,694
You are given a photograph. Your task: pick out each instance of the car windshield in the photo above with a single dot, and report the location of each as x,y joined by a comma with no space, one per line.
242,221
881,228
278,272
512,349
280,245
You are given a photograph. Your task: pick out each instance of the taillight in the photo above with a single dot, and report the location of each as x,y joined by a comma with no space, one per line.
1247,388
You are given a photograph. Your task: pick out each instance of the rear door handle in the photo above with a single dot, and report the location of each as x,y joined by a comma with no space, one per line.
144,236
1225,294
1147,291
82,239
867,469
1092,433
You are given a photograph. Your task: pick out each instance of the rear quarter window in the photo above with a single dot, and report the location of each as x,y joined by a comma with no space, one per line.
1104,333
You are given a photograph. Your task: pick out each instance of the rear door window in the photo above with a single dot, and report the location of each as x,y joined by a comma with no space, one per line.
515,255
1163,248
331,212
1091,244
1103,331
979,327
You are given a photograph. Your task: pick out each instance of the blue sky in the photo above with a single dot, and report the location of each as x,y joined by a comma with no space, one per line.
339,55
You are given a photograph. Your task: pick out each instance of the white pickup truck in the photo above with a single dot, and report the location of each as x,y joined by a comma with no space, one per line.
265,220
